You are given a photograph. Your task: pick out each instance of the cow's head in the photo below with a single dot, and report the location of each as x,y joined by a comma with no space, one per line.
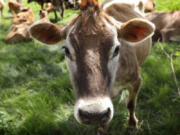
93,43
23,16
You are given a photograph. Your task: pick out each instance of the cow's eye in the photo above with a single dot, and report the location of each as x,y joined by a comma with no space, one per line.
66,50
116,51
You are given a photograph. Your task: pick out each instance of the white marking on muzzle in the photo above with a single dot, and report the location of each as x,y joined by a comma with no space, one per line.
102,104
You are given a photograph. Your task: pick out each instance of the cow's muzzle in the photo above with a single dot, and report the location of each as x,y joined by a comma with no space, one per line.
94,117
94,111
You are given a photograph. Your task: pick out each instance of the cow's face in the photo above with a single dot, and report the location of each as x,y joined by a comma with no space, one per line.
92,53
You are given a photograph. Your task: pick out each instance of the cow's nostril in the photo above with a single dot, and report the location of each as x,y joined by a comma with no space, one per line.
84,115
92,117
105,115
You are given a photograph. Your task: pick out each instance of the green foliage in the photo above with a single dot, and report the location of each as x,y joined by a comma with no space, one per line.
159,99
167,5
36,96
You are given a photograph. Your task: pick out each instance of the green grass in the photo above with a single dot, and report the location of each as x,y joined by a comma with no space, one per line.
36,96
167,5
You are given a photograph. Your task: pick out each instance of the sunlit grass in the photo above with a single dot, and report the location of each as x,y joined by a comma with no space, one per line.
167,5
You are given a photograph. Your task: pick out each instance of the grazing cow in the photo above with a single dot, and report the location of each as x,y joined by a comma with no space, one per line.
56,5
105,47
167,25
1,7
18,33
26,15
50,8
14,6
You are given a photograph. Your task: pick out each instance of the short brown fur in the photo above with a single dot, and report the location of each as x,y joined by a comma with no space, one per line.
92,39
130,57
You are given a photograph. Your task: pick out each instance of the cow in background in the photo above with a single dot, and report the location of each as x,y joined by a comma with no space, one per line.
18,33
21,23
141,5
25,15
56,5
167,25
14,6
44,15
137,5
59,6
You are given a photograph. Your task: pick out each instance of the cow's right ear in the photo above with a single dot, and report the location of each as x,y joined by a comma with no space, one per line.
47,33
136,30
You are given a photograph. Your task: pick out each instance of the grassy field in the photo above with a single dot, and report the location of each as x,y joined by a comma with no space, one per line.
36,96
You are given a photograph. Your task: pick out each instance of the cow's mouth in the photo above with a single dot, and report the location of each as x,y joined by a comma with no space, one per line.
94,111
94,117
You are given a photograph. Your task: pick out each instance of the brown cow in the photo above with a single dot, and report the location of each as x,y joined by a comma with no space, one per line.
44,15
105,47
52,8
14,6
167,25
18,33
1,7
56,5
26,15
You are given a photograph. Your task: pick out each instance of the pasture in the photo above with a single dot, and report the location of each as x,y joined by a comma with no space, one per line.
37,98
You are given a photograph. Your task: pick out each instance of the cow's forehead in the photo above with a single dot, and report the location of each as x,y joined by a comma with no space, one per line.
99,41
92,31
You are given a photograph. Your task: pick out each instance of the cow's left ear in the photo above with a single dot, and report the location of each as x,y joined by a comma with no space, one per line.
136,30
47,33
